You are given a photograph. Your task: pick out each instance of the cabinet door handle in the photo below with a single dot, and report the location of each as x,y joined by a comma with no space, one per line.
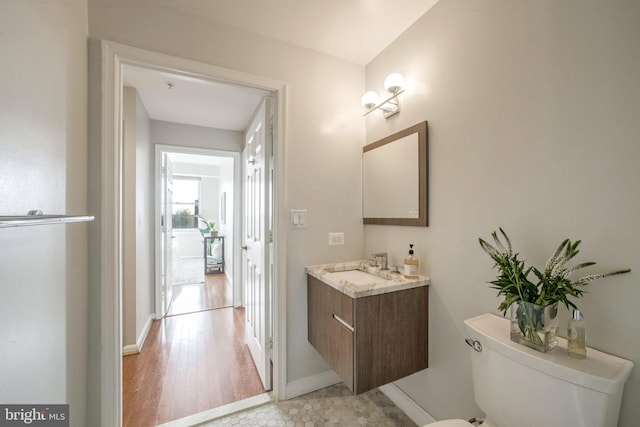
343,322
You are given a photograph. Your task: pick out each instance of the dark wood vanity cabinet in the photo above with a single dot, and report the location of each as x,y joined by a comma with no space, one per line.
369,341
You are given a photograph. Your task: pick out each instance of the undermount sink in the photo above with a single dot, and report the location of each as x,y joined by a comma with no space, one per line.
357,277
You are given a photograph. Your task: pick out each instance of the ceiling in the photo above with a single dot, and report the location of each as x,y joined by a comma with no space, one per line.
353,30
181,99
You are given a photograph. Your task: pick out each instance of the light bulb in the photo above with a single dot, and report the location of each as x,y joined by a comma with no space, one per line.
370,99
394,82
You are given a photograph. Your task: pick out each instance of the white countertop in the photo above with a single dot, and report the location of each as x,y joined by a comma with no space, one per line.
389,282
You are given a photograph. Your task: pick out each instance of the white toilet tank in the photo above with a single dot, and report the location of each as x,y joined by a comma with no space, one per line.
518,386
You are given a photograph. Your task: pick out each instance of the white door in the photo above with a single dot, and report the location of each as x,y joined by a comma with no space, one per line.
256,266
167,232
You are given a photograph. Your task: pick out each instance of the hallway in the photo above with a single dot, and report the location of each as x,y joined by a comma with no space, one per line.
216,292
190,362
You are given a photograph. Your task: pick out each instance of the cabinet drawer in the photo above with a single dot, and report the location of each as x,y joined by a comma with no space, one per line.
340,353
342,306
369,341
329,301
330,327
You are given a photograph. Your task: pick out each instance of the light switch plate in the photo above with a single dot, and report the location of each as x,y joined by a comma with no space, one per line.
336,239
297,218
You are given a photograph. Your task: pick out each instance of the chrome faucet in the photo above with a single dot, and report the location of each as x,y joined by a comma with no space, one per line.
384,262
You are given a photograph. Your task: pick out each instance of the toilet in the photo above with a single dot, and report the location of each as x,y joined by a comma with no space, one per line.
518,386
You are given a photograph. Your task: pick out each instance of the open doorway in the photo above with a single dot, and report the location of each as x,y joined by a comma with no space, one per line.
184,220
195,193
114,57
197,230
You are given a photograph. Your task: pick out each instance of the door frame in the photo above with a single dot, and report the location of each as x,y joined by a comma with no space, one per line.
237,200
114,56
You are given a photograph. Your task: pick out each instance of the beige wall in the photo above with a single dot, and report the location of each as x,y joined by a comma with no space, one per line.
324,134
129,218
138,222
43,165
533,126
168,133
226,229
144,222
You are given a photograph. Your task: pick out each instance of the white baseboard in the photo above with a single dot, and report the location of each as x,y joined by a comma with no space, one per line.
130,349
145,331
414,411
137,347
314,382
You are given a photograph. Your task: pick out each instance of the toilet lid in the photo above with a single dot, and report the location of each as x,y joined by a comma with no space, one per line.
450,423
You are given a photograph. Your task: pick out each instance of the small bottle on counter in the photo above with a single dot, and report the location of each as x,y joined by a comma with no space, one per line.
577,336
411,265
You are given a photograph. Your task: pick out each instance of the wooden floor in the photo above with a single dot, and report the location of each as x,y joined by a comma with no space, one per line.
189,363
216,292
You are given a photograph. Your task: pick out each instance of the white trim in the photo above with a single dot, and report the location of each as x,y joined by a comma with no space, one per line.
222,411
114,55
312,383
137,347
237,195
145,331
130,349
157,229
280,226
409,406
111,239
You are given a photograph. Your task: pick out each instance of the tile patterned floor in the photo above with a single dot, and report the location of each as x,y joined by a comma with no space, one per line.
333,406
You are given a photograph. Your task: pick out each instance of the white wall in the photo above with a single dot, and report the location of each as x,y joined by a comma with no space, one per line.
324,135
144,218
211,199
138,221
226,229
43,165
94,183
533,126
168,133
129,218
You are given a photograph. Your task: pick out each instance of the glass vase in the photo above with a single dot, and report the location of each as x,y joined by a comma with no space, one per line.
535,326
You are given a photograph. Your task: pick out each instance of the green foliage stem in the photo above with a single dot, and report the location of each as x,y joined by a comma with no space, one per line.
552,285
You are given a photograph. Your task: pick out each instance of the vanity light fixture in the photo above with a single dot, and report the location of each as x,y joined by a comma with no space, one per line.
394,84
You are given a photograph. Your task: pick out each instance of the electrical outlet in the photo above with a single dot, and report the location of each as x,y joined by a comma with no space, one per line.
336,239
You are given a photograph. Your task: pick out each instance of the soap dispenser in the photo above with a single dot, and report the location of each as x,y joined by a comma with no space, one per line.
411,265
577,336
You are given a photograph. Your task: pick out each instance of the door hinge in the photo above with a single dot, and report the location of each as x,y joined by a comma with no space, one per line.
270,343
270,236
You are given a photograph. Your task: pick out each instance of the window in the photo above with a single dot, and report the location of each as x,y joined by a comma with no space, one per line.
186,200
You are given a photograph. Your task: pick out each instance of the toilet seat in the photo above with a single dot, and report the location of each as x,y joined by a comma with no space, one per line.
450,423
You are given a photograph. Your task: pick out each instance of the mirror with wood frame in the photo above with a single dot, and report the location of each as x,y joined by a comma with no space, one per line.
394,178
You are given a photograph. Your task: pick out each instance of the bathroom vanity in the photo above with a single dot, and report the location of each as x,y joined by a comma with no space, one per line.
370,325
